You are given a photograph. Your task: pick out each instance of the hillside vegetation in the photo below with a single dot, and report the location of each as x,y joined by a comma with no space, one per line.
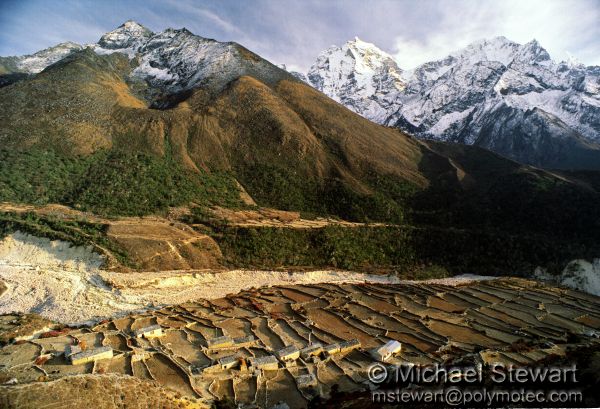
110,182
82,133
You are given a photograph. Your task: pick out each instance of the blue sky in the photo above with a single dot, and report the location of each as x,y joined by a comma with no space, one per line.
294,32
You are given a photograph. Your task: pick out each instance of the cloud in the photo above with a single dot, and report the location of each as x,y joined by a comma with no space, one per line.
560,26
193,9
295,32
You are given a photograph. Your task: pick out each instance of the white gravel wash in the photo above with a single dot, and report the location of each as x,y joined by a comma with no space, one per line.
66,284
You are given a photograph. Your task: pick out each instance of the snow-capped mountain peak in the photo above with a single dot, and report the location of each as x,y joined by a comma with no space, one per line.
176,60
532,53
127,38
496,93
358,74
368,57
498,49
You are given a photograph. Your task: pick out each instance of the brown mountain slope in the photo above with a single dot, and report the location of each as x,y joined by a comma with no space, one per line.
87,103
288,145
67,107
84,104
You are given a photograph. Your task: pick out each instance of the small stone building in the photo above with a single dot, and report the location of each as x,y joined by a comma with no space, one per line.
266,363
91,355
289,353
312,350
229,362
153,331
385,352
220,342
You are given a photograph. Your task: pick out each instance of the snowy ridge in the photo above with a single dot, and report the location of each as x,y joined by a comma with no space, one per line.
172,61
35,63
457,97
494,93
177,60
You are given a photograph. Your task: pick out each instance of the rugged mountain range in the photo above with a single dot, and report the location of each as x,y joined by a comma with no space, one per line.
209,105
141,122
497,94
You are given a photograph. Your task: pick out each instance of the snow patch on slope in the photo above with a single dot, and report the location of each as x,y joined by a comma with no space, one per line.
35,63
447,120
578,274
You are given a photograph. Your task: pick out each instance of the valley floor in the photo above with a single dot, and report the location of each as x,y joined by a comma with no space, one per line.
511,321
55,296
66,284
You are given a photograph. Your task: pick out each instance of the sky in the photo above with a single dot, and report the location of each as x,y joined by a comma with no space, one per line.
295,32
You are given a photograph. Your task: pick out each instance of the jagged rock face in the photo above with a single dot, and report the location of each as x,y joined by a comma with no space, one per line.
536,137
360,76
179,59
172,60
467,96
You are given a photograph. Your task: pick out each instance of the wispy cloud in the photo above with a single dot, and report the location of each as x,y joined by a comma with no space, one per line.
199,11
562,27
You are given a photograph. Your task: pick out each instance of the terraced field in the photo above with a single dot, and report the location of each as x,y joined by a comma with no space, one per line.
489,321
